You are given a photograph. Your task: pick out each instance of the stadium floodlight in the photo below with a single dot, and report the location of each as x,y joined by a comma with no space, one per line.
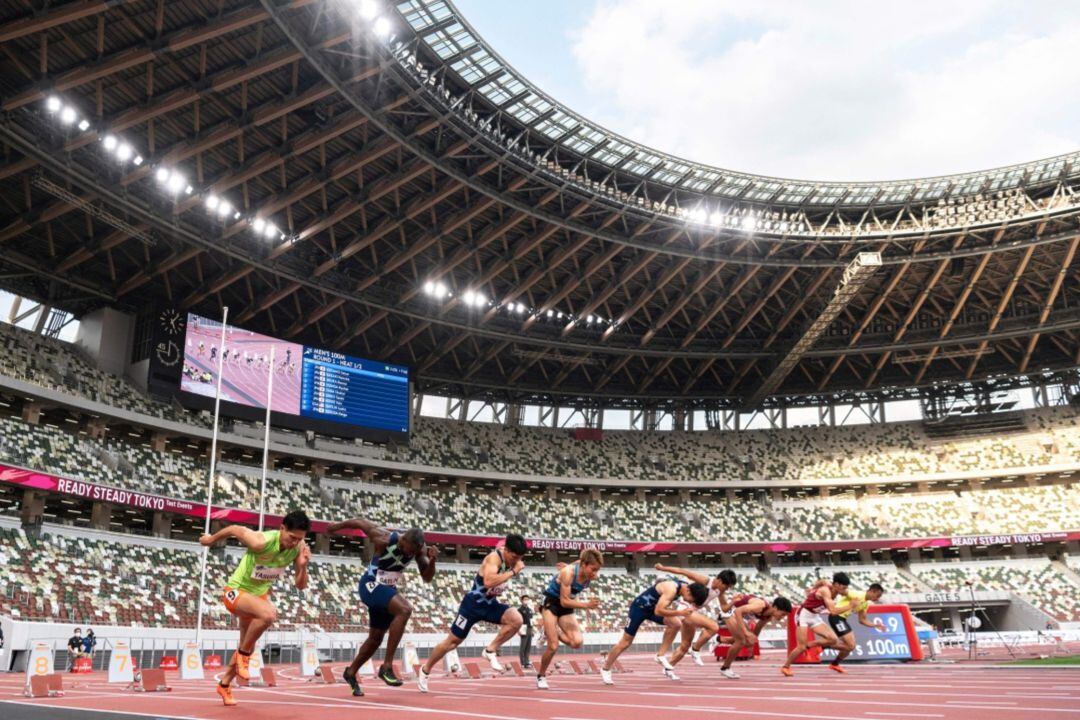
271,230
109,142
429,288
224,208
176,182
258,225
368,9
138,160
716,219
53,104
68,115
381,28
124,152
162,175
84,125
212,202
748,222
550,313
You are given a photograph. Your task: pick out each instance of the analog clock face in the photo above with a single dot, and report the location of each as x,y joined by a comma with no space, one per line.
172,321
168,353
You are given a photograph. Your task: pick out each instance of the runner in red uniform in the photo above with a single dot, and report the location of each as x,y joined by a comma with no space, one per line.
813,619
749,616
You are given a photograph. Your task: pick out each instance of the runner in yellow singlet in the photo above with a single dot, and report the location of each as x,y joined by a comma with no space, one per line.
268,557
853,601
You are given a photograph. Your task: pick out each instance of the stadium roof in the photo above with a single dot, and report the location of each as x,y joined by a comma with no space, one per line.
373,178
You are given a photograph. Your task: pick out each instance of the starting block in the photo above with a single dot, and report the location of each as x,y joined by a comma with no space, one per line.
265,678
618,667
474,670
258,680
593,667
150,680
576,668
324,674
516,667
451,663
40,686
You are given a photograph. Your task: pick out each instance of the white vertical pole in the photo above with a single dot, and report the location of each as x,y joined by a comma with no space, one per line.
266,441
213,470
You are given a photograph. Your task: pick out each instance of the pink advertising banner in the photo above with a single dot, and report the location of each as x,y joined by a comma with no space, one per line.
103,493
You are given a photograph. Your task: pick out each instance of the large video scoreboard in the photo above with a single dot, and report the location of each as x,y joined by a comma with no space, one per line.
312,388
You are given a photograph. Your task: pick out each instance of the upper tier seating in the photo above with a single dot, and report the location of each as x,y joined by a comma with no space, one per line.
866,451
702,515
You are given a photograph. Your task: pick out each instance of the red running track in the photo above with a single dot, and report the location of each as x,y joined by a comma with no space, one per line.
867,692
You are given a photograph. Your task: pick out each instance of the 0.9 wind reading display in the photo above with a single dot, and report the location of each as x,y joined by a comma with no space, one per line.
347,389
871,644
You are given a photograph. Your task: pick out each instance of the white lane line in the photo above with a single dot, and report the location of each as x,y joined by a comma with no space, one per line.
975,705
910,714
982,702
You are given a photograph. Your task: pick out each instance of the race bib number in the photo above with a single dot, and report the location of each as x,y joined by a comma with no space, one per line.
841,626
261,572
388,577
231,594
461,622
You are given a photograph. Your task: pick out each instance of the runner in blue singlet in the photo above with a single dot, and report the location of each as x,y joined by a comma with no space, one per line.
560,601
482,602
388,610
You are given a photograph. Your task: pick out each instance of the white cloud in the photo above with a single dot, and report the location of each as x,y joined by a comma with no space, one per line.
837,90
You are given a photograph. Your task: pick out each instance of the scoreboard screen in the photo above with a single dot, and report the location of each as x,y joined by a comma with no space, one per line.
313,388
347,389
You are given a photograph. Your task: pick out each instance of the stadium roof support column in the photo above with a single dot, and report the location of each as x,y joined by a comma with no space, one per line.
856,274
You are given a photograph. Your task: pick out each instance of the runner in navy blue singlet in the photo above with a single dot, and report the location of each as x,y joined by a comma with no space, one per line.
388,610
560,601
482,603
655,605
718,588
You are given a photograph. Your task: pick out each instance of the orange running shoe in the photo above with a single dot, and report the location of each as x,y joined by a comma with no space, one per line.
837,668
787,671
226,695
241,663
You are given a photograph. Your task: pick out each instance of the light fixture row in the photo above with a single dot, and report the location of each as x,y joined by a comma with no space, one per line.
439,290
172,180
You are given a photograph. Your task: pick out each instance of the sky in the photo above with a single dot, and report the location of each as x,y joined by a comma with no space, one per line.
823,90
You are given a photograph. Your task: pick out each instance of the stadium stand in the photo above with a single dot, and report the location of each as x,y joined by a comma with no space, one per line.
881,450
1036,579
614,516
90,577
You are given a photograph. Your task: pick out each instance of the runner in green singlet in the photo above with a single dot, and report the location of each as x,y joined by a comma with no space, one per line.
247,596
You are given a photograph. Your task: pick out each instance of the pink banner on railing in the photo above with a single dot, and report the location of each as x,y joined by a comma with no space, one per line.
104,493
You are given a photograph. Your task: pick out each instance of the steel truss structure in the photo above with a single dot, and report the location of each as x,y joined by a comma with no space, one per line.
578,267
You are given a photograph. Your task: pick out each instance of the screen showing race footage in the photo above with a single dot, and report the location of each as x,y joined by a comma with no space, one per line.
308,382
